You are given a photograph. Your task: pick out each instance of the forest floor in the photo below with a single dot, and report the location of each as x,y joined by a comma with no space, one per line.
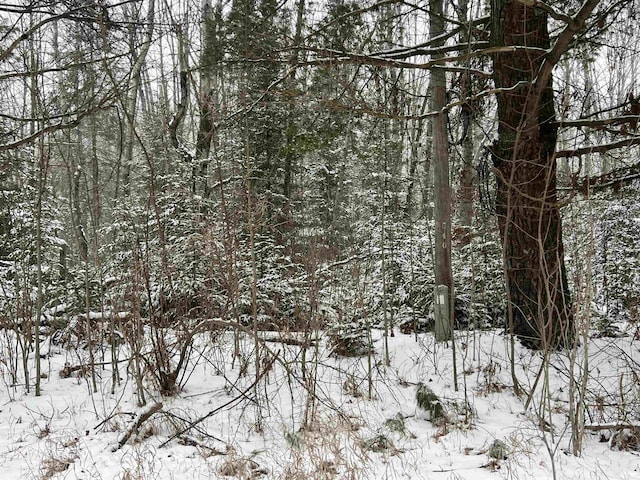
361,416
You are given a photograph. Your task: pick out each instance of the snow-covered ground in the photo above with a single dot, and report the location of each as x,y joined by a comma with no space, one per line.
361,416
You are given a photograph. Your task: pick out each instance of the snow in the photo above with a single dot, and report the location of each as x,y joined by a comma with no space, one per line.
71,432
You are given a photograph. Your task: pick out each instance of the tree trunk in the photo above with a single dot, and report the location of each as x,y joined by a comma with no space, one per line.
539,302
442,189
139,58
209,101
466,190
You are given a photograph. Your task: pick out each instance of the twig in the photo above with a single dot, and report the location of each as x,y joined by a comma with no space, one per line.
187,440
243,394
110,417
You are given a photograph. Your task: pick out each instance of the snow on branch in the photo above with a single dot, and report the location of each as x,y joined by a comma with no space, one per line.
106,102
346,58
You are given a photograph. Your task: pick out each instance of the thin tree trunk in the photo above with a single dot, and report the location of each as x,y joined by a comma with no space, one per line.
132,99
466,190
442,189
209,101
39,157
41,181
183,97
290,156
415,133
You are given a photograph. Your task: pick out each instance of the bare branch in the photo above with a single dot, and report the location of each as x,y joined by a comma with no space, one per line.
395,116
420,49
243,394
363,59
583,122
602,148
401,53
615,179
28,73
547,9
563,41
25,35
106,102
135,426
471,71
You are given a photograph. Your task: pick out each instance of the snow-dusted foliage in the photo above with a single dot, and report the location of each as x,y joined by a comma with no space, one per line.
18,250
603,252
390,280
617,259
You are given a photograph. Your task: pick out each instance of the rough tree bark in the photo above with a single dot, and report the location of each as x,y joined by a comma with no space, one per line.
442,188
539,304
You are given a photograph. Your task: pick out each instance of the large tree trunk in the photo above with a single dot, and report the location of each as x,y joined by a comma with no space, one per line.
540,311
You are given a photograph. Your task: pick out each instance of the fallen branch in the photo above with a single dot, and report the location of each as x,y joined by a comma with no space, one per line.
192,442
242,395
143,417
68,369
304,343
611,426
116,414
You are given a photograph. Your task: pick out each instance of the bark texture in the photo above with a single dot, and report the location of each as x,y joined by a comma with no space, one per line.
442,194
540,310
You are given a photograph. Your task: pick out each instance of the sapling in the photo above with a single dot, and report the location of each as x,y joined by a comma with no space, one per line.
397,424
428,402
497,450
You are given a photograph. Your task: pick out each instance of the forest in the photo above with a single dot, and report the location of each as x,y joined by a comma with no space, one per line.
324,239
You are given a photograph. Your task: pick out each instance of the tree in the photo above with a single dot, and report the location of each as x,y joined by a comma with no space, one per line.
212,54
527,39
442,188
464,139
524,158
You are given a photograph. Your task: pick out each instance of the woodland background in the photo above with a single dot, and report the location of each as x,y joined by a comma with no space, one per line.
174,169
